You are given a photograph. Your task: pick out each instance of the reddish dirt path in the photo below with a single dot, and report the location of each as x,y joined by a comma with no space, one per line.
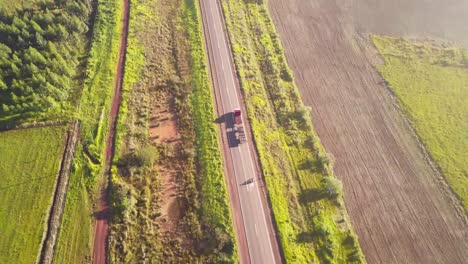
398,204
101,228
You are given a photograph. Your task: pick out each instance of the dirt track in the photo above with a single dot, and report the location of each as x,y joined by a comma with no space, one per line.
399,206
101,229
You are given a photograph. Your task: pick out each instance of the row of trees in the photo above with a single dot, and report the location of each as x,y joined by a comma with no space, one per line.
39,51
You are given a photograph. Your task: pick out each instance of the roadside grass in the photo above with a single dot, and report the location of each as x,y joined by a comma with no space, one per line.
431,84
30,160
74,244
215,210
305,196
207,232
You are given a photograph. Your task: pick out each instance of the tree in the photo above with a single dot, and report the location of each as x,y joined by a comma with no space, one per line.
5,108
3,85
332,187
19,23
33,55
36,27
40,40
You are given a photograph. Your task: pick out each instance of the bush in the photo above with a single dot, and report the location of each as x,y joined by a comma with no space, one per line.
332,187
143,157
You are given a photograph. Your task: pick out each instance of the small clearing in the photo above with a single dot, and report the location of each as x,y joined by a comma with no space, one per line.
163,132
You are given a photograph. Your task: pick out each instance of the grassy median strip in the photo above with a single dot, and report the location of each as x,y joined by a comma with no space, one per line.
166,59
305,196
74,244
28,171
431,83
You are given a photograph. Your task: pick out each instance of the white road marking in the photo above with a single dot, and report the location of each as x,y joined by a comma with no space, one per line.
228,88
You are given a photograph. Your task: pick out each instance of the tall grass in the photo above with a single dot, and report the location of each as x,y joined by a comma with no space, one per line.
206,218
74,244
312,223
431,84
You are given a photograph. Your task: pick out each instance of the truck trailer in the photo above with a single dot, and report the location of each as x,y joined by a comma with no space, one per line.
238,126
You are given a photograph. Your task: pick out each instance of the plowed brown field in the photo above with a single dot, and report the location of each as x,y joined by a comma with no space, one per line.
399,205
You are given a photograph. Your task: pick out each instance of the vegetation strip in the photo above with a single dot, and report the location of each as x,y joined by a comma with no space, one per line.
430,83
61,187
76,233
305,196
52,36
164,77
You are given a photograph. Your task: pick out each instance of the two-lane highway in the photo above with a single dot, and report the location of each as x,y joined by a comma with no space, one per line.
250,208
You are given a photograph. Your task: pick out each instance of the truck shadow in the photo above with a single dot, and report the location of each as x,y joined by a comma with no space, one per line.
228,120
221,119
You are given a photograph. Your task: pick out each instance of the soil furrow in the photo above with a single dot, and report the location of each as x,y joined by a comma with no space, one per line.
398,206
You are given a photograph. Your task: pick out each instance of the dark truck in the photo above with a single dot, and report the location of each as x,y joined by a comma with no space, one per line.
238,127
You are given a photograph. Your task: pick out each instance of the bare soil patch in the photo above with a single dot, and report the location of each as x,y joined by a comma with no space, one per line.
398,204
163,132
162,123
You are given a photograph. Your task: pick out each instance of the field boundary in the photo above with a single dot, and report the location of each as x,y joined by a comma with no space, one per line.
55,211
32,125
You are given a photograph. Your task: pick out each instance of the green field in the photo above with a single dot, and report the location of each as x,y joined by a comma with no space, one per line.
75,81
306,198
30,160
431,83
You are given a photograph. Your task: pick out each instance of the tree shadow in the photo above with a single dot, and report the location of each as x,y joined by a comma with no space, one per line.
306,237
102,215
311,195
312,165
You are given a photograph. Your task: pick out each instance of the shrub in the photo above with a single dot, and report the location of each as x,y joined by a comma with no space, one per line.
332,187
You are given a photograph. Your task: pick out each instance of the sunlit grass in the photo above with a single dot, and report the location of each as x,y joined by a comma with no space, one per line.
431,84
29,165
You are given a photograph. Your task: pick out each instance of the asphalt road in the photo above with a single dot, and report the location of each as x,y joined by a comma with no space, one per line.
250,207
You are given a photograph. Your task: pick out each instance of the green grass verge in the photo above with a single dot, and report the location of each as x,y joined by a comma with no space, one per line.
74,244
28,171
312,223
431,84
